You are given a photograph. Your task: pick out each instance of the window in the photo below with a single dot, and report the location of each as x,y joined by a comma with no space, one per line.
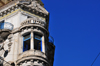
27,42
37,42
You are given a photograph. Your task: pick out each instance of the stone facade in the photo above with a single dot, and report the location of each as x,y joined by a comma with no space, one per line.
24,36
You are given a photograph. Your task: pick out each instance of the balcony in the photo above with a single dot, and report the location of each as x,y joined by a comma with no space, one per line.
5,29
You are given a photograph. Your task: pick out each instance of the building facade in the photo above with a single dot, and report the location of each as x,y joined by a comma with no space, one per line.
24,35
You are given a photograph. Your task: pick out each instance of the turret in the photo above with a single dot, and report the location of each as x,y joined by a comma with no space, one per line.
24,34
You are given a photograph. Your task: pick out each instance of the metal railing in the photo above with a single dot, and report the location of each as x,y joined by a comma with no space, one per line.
51,39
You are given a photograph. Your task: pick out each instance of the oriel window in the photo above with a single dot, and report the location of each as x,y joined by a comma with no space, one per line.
27,42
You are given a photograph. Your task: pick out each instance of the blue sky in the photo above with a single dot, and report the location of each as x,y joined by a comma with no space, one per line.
75,26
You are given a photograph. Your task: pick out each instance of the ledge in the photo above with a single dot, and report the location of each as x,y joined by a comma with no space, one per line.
34,26
32,53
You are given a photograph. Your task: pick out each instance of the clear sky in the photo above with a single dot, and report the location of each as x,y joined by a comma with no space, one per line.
75,26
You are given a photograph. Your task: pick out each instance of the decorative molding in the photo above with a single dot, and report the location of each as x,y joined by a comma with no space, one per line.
38,56
32,52
40,28
17,6
10,14
33,62
22,11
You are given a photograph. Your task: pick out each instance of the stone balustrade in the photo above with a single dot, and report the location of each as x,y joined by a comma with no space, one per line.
33,21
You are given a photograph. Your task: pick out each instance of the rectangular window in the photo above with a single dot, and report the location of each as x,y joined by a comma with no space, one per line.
38,42
26,42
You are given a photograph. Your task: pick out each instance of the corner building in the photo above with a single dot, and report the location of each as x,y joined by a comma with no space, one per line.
24,36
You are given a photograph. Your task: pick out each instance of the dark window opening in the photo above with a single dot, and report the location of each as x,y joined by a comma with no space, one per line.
26,42
12,64
26,45
38,42
2,24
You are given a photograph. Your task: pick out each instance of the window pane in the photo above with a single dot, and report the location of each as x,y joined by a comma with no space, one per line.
26,45
26,42
37,42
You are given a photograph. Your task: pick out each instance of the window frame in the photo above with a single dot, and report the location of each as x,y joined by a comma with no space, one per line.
30,38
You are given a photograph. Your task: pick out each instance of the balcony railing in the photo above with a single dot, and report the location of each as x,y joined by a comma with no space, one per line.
51,39
6,25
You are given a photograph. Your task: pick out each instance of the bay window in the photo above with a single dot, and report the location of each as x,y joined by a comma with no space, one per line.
32,41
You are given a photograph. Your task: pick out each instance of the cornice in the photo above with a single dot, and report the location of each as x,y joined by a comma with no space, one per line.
22,11
8,15
24,7
9,5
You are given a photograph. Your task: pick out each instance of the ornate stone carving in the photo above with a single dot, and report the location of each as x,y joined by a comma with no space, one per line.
32,63
34,5
10,42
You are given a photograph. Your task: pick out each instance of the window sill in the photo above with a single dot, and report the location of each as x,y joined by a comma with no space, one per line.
32,53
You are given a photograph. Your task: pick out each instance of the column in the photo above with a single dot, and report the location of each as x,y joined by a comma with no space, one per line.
43,44
32,40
